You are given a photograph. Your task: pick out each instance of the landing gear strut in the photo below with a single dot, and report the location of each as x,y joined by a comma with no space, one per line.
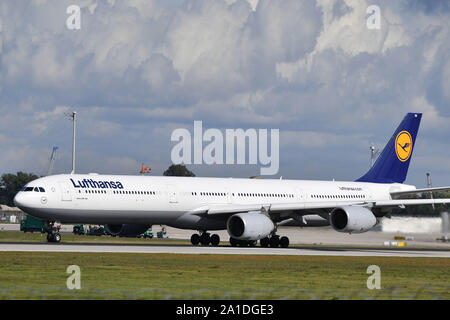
53,233
205,239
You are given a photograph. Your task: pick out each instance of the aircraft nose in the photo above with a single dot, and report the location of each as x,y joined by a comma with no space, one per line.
19,200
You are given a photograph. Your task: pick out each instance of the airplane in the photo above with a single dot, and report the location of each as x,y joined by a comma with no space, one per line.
249,209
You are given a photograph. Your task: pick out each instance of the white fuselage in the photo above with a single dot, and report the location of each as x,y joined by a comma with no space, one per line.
110,199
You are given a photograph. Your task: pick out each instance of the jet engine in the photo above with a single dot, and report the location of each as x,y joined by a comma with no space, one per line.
126,230
249,226
352,219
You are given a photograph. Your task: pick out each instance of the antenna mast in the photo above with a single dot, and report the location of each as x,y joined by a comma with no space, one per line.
430,185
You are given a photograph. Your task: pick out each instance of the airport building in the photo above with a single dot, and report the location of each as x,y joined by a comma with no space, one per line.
11,214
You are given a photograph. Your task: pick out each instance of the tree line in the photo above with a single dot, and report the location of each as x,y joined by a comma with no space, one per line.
11,183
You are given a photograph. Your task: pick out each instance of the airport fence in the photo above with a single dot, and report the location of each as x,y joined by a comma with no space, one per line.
419,292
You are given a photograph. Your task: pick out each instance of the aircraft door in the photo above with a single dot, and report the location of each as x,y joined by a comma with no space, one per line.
172,194
65,191
368,193
299,194
229,196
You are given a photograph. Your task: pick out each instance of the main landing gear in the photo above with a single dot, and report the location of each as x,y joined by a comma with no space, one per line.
205,239
53,233
274,242
242,243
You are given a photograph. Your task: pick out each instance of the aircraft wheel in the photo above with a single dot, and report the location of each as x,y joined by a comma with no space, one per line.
242,243
205,239
274,241
252,243
57,237
264,242
215,240
284,242
233,242
195,239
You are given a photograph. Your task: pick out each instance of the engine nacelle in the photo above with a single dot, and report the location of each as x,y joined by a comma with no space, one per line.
249,226
352,219
126,230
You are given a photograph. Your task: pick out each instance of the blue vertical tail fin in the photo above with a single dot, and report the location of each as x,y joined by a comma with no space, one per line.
393,163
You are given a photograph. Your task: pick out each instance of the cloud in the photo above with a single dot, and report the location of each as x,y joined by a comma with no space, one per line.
346,32
311,139
24,157
137,69
445,81
434,119
430,7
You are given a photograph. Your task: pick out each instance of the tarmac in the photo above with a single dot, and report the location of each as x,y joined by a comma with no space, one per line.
186,249
316,241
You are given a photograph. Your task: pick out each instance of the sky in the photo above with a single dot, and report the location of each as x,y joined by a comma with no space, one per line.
137,70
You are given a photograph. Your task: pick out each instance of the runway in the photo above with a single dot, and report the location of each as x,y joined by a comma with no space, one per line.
325,236
186,249
320,241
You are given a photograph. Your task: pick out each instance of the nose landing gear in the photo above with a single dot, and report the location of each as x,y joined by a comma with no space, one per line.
53,233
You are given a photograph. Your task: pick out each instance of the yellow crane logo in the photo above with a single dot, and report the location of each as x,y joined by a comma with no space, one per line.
403,145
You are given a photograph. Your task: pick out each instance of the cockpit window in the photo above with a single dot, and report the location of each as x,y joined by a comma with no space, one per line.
41,189
36,189
28,189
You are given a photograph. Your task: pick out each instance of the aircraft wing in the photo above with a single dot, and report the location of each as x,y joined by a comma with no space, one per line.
399,193
278,207
228,209
409,202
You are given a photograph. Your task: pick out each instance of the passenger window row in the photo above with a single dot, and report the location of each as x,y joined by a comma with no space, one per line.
135,192
219,194
339,196
270,195
216,194
121,192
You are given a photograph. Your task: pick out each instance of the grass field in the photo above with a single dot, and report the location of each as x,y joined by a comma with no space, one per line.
165,276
